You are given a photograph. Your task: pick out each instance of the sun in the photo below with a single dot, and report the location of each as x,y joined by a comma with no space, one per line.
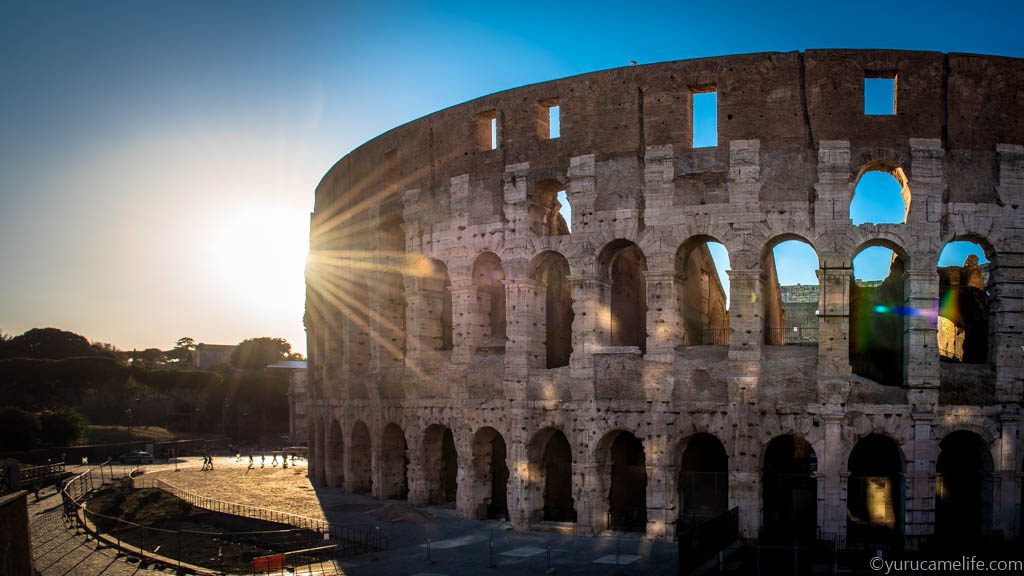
258,255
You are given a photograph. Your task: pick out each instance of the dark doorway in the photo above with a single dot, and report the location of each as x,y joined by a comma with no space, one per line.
335,456
449,466
624,265
440,464
963,489
703,481
394,464
789,491
498,507
874,491
557,465
627,496
552,270
359,460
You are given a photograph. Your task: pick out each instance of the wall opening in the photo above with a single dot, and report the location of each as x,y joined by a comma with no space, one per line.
549,211
702,293
624,266
438,286
394,464
627,496
335,457
875,491
704,113
789,291
789,491
963,489
963,303
361,479
880,94
877,316
491,473
881,196
489,278
550,461
551,269
392,316
703,481
440,464
487,136
549,119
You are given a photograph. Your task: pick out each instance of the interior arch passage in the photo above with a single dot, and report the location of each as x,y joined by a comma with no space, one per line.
789,491
490,474
440,464
394,463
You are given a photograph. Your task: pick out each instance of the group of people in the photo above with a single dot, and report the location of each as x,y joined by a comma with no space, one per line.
207,459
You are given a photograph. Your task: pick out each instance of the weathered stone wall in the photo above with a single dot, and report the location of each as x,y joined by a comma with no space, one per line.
792,142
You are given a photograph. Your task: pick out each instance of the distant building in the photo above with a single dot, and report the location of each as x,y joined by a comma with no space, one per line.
298,432
801,319
212,355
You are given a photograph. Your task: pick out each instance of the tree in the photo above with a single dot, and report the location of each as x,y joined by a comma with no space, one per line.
19,429
48,343
257,353
62,427
181,355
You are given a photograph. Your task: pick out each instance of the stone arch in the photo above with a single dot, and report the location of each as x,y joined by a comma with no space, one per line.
394,463
875,490
550,467
963,313
877,322
489,279
789,490
545,205
318,455
703,479
964,488
622,465
334,458
551,269
790,314
440,464
490,474
360,477
438,286
623,265
891,168
700,297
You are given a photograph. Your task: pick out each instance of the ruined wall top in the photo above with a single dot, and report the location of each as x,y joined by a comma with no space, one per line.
789,102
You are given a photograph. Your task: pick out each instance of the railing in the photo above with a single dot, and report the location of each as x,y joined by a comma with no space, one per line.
632,519
802,335
39,474
714,337
700,542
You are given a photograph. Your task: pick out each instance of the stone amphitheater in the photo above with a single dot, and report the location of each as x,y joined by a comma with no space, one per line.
469,345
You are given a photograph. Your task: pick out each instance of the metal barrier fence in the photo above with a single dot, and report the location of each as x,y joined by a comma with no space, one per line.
297,549
714,337
700,542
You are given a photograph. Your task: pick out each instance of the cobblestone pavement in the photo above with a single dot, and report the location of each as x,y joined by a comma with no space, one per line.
58,551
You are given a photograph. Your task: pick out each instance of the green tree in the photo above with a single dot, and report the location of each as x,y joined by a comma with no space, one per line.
257,353
62,427
19,429
181,355
48,343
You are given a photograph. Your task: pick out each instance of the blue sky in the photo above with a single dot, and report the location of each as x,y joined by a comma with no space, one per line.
144,142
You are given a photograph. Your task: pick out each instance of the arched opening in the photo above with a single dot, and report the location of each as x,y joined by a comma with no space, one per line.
438,288
703,481
335,459
877,315
491,473
702,291
963,303
392,316
881,196
361,479
624,265
440,464
963,489
789,290
627,491
551,269
789,491
875,491
550,460
318,456
394,463
489,278
550,214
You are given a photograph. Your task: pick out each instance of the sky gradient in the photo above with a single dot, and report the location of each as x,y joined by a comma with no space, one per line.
158,160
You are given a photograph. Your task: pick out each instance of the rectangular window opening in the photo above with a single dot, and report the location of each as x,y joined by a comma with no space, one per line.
487,130
880,94
549,119
705,119
554,122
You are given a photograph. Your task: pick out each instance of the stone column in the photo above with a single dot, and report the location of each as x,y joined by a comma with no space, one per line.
1006,317
590,328
920,344
831,517
465,324
659,185
524,348
746,321
419,493
520,490
920,477
1006,507
581,191
660,481
833,332
664,329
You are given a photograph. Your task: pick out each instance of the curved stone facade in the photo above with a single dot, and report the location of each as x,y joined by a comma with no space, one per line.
465,346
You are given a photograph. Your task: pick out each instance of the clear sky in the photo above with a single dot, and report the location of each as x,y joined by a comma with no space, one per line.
158,159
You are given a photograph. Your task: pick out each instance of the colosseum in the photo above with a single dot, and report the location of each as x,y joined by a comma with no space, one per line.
513,306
